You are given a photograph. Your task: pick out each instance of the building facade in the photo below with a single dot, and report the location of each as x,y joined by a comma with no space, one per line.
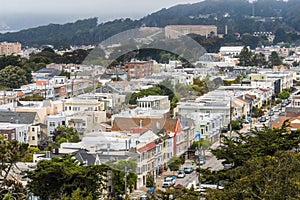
9,48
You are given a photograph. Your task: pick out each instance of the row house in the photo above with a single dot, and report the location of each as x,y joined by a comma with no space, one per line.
242,107
79,104
209,126
17,132
85,122
185,108
22,126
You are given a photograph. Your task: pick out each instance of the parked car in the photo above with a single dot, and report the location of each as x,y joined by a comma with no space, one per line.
271,113
276,109
202,160
263,119
188,170
181,174
169,181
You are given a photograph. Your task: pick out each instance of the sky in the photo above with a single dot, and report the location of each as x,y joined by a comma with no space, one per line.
19,14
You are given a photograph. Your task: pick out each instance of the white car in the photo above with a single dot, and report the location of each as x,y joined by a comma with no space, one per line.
181,174
169,181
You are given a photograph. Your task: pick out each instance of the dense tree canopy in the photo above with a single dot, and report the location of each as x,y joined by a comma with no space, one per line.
263,165
274,59
65,134
61,177
268,177
12,77
174,163
11,152
245,57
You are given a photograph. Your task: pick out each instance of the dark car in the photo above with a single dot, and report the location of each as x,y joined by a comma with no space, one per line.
263,119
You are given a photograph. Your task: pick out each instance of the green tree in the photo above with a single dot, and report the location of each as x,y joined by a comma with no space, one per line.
64,176
245,57
120,168
259,59
130,164
257,112
267,177
65,134
11,152
174,163
274,59
28,157
284,94
150,180
9,60
205,144
12,77
264,142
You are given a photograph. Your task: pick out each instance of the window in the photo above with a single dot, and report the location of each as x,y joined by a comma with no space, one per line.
32,129
33,138
52,124
63,123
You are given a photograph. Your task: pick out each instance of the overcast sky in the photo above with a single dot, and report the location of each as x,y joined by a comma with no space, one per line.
38,12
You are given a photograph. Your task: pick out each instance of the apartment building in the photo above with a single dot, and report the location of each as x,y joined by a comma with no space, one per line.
139,69
9,48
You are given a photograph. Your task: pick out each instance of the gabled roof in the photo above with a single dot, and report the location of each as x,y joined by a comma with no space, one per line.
243,100
264,89
147,147
171,125
251,96
18,117
127,124
294,122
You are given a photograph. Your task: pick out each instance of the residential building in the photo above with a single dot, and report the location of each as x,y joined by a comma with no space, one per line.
7,48
231,50
86,122
79,104
139,69
154,102
53,121
209,126
34,135
13,131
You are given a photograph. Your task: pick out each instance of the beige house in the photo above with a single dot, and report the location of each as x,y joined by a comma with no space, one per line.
241,107
86,122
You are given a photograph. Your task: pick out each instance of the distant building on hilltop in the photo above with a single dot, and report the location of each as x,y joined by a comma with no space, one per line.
9,48
176,31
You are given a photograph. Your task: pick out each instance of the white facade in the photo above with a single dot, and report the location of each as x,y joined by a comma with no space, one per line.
21,131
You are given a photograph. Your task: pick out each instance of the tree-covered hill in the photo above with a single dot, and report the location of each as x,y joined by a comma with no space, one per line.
238,15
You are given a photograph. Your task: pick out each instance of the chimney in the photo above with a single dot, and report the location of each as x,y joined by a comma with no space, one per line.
157,125
141,123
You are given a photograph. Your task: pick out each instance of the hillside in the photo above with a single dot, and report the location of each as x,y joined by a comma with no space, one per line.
238,15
